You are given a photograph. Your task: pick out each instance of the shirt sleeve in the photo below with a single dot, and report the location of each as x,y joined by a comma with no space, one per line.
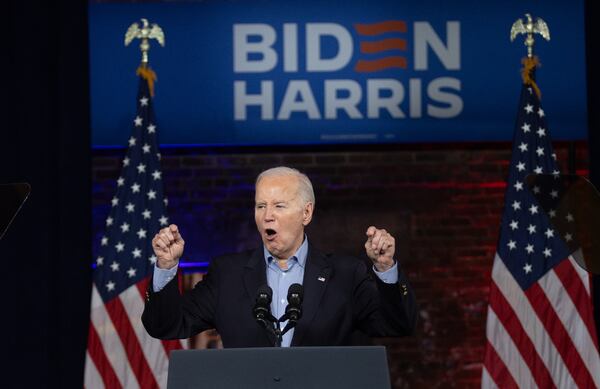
389,276
163,276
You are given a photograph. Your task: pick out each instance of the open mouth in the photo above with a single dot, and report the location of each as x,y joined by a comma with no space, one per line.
270,233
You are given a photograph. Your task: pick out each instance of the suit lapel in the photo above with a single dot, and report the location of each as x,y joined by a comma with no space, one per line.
255,273
316,277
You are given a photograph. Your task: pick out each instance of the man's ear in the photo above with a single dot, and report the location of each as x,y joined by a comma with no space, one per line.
307,213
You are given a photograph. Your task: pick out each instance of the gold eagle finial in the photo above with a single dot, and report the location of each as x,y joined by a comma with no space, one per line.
147,32
529,27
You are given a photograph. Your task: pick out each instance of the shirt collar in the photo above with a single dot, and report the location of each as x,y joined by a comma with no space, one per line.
300,254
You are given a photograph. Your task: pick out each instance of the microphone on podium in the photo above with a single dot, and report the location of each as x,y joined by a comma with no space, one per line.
262,312
293,312
262,306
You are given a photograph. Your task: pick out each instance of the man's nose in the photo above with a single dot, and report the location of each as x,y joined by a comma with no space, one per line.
269,215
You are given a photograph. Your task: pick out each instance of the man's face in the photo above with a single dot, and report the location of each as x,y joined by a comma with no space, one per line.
281,215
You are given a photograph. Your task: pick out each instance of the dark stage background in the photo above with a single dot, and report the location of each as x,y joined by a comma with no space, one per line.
442,202
46,142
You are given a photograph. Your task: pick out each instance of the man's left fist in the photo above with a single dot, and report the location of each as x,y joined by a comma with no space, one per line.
380,247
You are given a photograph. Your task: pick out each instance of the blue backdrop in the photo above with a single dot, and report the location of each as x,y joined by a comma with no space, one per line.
335,72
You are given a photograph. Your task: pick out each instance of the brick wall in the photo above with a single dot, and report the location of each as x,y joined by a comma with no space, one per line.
442,203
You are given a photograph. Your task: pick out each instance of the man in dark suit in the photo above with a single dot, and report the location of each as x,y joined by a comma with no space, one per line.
341,294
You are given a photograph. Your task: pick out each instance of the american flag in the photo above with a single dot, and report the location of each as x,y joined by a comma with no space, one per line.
540,326
120,353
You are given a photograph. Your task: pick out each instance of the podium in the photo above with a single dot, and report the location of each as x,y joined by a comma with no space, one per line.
12,197
280,368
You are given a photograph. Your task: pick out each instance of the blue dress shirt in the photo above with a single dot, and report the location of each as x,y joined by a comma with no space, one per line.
280,280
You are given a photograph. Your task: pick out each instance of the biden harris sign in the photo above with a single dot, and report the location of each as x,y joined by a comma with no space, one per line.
287,72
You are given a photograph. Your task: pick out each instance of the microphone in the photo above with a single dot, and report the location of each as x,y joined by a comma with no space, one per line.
262,306
262,313
293,312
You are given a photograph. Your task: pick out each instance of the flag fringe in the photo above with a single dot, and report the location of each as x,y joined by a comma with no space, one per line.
147,74
529,66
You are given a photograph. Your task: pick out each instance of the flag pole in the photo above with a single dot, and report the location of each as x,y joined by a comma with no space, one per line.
534,277
120,352
529,28
146,33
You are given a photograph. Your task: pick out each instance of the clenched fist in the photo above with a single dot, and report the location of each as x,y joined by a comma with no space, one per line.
380,247
168,247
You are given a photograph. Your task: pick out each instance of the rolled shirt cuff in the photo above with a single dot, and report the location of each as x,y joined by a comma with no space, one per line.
389,276
162,277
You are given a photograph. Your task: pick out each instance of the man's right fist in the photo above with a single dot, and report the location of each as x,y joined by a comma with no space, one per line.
168,247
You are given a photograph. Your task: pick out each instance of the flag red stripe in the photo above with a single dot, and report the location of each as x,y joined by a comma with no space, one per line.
171,345
497,369
578,293
559,335
507,316
103,365
137,359
168,345
143,286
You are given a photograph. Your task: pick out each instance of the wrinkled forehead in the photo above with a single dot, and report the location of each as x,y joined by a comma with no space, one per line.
277,188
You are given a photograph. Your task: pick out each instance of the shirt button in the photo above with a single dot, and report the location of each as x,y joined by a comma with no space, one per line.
283,274
283,301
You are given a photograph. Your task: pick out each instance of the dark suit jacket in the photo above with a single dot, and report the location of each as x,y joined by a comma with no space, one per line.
350,298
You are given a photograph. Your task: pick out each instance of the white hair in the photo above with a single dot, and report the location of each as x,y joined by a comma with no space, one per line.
305,188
